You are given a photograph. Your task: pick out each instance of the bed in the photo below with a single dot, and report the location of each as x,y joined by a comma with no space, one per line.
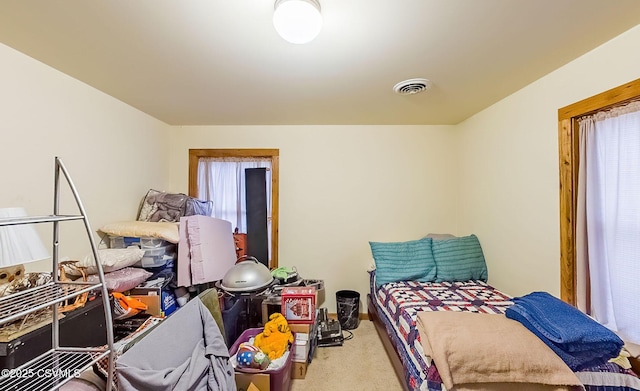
394,308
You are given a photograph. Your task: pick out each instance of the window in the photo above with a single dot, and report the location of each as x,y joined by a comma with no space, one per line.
576,285
227,165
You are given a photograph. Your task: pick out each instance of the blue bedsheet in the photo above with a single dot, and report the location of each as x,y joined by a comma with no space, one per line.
579,340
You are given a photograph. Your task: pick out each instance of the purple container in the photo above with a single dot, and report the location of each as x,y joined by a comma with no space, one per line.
279,379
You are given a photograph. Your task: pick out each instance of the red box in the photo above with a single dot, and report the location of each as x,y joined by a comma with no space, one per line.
299,304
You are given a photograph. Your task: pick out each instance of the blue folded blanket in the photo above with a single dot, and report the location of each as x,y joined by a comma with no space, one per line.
579,340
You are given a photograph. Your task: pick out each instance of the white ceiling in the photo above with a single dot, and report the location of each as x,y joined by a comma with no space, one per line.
220,62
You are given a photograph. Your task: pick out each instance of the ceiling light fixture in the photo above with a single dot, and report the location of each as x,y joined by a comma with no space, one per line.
297,21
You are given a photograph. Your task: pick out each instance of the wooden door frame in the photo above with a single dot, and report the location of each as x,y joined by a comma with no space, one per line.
272,154
568,145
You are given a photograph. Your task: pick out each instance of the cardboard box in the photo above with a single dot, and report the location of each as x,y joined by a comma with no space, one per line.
273,303
300,348
270,305
299,370
261,381
299,304
304,328
307,331
160,302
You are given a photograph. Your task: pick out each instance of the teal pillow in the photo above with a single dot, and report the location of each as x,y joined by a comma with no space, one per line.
459,259
402,261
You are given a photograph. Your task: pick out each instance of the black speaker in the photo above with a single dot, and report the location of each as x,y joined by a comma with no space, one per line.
256,203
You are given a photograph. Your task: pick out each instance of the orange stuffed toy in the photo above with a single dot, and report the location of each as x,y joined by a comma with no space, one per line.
276,336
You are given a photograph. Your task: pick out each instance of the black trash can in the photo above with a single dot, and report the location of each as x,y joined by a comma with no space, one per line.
348,303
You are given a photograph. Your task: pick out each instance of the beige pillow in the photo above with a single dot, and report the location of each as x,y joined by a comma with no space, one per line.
112,259
143,229
633,349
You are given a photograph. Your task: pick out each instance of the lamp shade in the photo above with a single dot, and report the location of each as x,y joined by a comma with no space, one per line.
19,243
297,21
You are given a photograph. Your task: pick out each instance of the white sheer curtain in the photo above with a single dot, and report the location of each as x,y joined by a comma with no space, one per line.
221,180
611,161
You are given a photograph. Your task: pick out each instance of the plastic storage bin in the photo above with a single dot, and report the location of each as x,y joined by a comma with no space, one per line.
123,241
279,379
157,257
146,243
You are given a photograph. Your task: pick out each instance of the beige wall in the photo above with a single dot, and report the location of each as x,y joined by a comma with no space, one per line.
113,152
342,186
509,167
495,175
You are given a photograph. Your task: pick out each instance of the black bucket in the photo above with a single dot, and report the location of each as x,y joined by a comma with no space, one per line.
348,303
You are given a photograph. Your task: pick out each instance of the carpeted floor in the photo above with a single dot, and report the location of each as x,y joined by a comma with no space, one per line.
360,364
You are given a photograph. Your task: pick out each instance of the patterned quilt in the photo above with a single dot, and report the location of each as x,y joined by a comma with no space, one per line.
399,303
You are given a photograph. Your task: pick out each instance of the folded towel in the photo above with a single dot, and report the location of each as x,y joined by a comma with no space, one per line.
579,340
490,352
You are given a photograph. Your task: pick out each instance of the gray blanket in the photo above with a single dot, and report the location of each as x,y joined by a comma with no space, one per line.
184,352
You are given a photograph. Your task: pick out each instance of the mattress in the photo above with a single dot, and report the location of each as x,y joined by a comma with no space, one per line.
398,304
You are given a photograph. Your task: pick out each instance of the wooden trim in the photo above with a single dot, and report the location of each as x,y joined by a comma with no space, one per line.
238,152
612,97
635,364
274,155
361,316
193,173
568,172
275,206
569,160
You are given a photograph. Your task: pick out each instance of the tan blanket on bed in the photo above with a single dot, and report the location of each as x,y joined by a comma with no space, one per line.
490,352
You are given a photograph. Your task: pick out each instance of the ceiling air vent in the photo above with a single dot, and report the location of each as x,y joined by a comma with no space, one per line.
412,86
